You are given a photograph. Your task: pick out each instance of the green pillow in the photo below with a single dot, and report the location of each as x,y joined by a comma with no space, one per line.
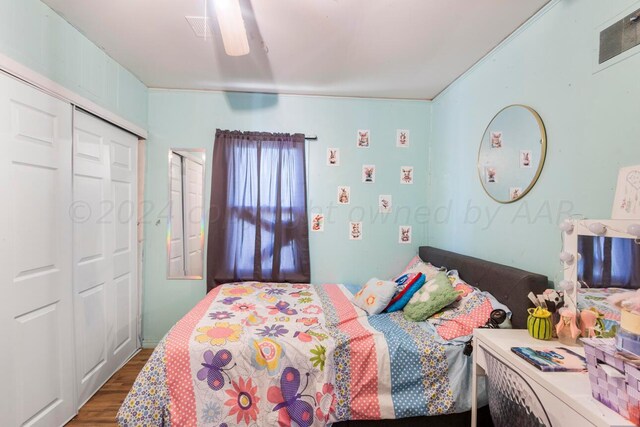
435,295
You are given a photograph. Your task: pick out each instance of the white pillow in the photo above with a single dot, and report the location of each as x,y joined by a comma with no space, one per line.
375,295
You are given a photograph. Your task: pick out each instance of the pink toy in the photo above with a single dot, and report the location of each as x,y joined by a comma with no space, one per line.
567,328
588,321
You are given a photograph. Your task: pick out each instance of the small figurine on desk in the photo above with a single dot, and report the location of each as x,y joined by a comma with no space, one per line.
567,328
588,322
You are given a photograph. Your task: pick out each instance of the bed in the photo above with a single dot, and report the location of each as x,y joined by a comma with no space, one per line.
299,354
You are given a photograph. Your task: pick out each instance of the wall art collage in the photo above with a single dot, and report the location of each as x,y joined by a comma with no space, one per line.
368,175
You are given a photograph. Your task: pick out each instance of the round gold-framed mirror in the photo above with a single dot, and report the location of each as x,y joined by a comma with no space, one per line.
512,153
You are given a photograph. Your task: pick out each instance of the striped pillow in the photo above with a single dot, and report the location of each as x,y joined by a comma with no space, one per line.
408,284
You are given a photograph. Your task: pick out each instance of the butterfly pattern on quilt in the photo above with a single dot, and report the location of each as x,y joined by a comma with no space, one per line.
213,368
290,400
266,375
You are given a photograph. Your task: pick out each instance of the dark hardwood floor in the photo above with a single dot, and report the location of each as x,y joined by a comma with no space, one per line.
102,408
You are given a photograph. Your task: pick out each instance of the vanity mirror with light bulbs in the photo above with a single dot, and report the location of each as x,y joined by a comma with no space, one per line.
599,254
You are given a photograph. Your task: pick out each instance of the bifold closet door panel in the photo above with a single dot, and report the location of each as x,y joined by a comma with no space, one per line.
124,193
193,216
176,239
105,250
36,311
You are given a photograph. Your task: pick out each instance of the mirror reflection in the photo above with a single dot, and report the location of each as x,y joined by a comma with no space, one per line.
185,241
512,153
606,262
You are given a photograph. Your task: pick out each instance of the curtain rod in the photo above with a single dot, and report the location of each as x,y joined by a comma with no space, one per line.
311,137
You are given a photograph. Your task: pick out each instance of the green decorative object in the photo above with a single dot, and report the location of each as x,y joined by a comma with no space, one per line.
539,323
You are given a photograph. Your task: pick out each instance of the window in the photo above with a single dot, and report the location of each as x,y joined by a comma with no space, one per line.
258,224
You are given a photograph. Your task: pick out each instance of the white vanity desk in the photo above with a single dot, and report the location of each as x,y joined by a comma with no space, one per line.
565,396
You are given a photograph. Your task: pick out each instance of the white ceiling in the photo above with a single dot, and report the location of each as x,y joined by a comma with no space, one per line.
367,48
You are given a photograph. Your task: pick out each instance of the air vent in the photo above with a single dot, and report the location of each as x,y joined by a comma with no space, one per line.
200,26
620,37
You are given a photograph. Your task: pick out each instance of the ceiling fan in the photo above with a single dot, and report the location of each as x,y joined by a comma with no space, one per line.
231,23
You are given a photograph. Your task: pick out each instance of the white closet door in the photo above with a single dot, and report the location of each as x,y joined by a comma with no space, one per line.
124,190
193,216
36,325
105,250
176,240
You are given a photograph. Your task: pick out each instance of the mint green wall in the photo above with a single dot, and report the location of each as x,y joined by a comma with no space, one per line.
34,35
189,119
591,119
592,123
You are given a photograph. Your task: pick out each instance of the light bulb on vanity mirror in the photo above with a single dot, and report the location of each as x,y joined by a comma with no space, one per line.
634,230
598,228
567,226
567,257
566,285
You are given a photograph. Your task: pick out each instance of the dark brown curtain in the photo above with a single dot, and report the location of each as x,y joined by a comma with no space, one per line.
258,214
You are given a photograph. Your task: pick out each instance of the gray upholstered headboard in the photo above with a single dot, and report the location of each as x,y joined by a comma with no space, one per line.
508,284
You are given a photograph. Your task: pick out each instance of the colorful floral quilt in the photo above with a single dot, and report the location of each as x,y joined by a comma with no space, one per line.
261,354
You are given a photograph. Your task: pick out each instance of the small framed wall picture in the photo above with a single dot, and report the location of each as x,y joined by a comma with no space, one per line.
490,175
406,174
626,204
364,138
317,223
333,157
402,138
385,203
496,139
515,193
344,195
355,231
404,234
525,159
369,174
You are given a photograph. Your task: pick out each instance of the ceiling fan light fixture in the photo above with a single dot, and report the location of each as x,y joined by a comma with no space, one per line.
234,33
